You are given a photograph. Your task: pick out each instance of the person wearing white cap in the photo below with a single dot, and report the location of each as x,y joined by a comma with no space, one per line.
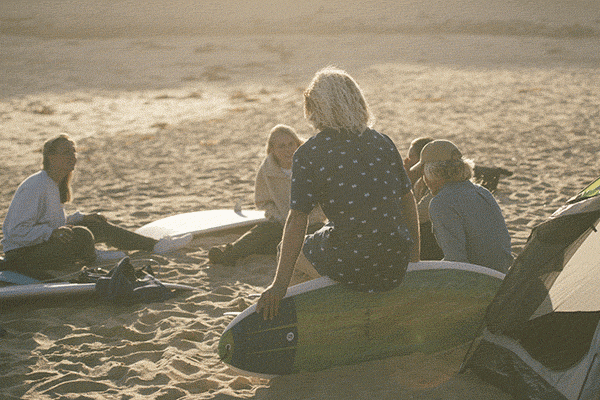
467,221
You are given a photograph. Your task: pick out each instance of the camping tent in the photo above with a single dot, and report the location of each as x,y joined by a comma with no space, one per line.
541,337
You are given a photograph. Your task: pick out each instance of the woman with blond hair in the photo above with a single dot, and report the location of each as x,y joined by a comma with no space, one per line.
272,194
357,177
39,236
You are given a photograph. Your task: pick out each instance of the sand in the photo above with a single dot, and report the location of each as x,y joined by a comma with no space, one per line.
170,103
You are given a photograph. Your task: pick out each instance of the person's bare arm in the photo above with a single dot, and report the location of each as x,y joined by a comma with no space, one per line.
293,239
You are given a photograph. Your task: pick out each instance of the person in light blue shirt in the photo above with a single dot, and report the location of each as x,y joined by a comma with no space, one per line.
467,221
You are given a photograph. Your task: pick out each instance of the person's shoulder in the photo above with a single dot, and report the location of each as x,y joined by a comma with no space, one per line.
39,182
325,135
481,189
269,167
436,204
266,163
377,134
311,144
38,178
383,138
468,189
449,192
484,192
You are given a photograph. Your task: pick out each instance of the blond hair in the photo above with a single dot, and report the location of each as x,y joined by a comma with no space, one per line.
282,130
451,170
334,100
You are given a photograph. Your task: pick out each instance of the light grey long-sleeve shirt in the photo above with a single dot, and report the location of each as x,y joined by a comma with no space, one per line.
34,213
469,226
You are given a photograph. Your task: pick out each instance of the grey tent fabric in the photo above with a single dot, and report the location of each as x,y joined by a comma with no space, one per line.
542,330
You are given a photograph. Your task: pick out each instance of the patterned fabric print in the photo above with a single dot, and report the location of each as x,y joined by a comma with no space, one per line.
358,181
367,263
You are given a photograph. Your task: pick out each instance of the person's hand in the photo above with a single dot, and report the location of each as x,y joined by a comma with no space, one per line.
408,163
415,257
268,304
414,174
62,234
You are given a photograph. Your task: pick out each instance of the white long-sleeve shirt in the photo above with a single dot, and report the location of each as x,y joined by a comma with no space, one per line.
34,213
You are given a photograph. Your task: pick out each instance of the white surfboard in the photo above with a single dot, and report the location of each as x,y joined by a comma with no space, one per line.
201,222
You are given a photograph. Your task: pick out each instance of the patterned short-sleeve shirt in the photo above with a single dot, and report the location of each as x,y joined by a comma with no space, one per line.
358,180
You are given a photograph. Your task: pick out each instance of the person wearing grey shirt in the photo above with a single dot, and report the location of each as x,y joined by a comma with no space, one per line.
467,221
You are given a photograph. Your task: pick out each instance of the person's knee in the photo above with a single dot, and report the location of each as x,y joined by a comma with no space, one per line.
84,240
83,234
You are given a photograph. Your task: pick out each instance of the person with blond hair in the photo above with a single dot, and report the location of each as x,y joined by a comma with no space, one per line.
39,236
357,177
271,194
467,221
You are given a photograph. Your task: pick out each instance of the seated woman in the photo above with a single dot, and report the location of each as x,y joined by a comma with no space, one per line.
467,222
39,236
272,194
357,177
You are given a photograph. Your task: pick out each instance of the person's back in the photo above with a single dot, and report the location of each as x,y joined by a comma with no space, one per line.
469,226
355,178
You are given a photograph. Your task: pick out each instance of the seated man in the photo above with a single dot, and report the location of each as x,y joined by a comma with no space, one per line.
467,222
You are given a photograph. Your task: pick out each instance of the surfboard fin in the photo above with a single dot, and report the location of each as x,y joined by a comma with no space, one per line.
238,208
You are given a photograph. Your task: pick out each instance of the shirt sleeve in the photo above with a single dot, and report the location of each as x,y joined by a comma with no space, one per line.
396,162
449,232
302,196
261,189
405,184
22,226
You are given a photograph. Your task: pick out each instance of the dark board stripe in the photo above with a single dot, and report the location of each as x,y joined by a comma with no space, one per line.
267,347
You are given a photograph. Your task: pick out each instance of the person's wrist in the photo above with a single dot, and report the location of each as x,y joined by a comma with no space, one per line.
279,287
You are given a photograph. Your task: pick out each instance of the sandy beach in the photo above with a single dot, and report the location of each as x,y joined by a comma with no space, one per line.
170,103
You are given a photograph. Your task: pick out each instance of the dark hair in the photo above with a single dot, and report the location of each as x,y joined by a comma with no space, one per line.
64,187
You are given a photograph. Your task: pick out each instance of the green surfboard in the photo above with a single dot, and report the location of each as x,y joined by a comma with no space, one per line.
321,324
